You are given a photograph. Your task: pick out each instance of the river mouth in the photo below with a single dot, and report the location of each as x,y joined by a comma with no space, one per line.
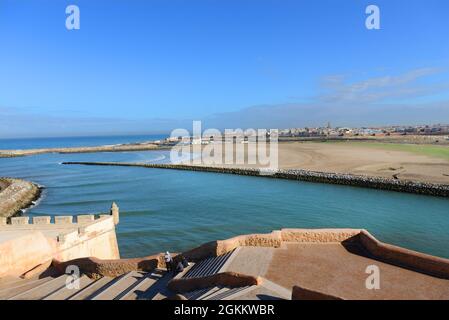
171,210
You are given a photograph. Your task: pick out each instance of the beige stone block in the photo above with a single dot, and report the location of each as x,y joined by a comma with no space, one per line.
20,220
82,230
67,236
63,219
42,220
3,221
84,218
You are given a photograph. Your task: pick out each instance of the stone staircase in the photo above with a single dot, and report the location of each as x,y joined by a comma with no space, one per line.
130,286
218,293
133,285
207,267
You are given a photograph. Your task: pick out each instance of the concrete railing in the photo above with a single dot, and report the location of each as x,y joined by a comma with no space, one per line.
409,259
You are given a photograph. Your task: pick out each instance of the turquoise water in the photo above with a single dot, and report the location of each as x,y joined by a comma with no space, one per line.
175,210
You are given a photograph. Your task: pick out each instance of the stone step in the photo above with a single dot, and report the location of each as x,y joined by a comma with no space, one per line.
22,286
65,292
209,292
159,290
227,293
208,266
120,287
235,293
282,292
43,290
229,260
8,282
141,290
212,295
94,288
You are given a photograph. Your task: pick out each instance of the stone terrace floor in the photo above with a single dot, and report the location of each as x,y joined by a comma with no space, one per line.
332,269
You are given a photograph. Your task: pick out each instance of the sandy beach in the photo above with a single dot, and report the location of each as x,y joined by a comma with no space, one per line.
365,159
421,163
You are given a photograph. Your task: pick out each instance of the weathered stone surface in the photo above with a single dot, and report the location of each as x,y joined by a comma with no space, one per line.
115,213
42,220
402,257
96,268
16,194
84,218
63,219
20,220
300,293
227,279
318,235
108,148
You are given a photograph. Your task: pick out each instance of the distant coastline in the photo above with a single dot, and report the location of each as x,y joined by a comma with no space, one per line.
109,148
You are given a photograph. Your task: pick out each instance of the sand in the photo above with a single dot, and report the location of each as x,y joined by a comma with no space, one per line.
360,158
365,160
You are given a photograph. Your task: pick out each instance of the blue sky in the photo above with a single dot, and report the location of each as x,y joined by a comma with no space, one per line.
152,66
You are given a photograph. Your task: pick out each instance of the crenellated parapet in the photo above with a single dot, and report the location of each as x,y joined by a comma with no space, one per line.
26,242
59,221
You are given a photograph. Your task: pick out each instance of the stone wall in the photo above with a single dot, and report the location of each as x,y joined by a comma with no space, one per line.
435,266
384,252
391,254
15,195
26,243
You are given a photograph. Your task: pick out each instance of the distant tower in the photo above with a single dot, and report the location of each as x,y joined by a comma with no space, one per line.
115,213
329,125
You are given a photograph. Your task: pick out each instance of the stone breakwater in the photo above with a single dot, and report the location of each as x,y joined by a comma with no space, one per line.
111,148
15,195
432,189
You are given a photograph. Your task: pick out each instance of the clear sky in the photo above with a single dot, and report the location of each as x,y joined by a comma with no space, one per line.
152,66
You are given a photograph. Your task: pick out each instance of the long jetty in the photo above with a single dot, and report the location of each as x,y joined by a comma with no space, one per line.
432,189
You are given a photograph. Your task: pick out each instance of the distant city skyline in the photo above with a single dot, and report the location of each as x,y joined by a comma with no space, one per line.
150,67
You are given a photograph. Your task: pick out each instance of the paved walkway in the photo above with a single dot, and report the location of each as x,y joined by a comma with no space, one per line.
332,269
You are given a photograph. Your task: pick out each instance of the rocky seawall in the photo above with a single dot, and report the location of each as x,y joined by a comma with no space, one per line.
16,195
111,148
432,189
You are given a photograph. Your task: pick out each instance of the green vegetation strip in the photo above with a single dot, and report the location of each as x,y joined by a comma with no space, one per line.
423,149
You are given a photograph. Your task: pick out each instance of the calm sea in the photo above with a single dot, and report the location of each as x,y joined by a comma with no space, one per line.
176,210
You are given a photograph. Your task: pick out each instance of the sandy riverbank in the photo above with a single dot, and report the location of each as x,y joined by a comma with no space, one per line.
15,195
367,159
420,163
